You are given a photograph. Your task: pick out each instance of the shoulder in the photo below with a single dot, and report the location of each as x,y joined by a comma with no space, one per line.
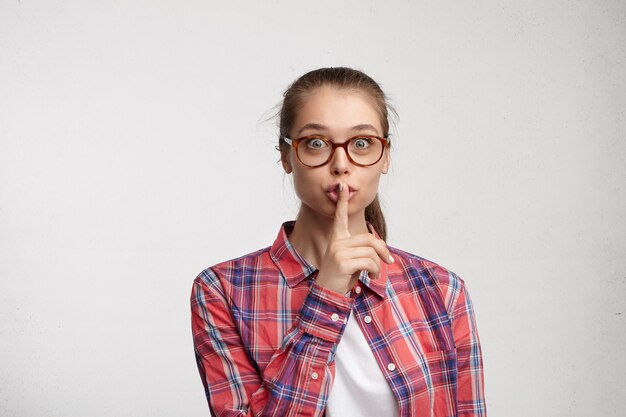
428,273
234,270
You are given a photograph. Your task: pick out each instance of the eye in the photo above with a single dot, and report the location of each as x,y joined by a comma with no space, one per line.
361,143
316,143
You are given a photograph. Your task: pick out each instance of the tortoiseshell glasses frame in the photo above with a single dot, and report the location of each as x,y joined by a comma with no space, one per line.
384,142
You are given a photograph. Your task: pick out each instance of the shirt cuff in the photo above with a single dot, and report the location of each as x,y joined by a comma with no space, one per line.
324,313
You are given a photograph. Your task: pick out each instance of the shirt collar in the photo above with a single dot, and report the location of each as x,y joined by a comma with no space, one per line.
295,268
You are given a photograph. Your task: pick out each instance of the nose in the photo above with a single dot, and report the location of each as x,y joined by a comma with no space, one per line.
339,162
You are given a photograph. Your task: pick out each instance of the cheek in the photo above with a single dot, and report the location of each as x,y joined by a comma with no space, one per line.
297,186
370,186
302,183
373,180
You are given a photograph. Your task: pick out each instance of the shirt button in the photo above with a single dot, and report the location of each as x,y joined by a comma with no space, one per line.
357,290
391,367
367,319
314,375
334,317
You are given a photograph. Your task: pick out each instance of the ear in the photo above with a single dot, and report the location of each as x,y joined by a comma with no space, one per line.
284,159
386,162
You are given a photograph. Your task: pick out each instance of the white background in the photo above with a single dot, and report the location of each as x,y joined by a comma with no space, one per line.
135,152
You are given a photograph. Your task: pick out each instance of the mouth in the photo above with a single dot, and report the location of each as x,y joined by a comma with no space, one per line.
333,192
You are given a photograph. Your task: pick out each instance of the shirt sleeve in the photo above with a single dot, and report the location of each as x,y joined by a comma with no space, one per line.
470,381
297,379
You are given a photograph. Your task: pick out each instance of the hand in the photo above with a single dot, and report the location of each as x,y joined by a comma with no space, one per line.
346,255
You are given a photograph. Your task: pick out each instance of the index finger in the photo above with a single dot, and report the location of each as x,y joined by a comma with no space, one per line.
340,225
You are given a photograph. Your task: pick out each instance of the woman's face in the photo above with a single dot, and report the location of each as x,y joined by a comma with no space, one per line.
339,115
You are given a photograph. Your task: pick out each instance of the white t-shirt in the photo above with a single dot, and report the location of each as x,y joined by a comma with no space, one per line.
360,388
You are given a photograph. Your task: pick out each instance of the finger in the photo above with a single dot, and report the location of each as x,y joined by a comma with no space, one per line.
387,258
357,252
362,252
340,226
367,239
354,266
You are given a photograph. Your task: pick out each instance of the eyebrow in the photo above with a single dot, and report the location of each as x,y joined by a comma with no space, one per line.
319,126
314,126
365,127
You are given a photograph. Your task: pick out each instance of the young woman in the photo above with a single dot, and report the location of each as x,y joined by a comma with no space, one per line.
329,320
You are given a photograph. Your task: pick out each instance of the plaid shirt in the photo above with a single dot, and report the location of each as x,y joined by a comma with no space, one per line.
265,335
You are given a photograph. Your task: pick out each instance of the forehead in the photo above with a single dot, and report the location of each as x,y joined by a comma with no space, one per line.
340,110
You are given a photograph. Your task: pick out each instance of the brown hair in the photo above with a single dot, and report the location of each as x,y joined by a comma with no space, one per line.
342,78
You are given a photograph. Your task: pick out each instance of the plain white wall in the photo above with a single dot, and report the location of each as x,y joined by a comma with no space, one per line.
134,154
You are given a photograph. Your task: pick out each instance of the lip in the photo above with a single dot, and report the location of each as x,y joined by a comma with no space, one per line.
333,192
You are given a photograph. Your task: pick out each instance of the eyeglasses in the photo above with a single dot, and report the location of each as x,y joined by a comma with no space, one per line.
316,150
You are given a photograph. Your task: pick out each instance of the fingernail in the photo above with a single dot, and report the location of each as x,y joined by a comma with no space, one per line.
391,259
340,186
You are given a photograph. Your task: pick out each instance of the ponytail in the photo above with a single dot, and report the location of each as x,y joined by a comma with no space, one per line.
374,216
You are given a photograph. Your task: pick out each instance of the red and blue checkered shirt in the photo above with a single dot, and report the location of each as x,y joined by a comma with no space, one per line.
265,335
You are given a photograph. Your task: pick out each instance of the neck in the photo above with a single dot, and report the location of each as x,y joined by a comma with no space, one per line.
312,232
